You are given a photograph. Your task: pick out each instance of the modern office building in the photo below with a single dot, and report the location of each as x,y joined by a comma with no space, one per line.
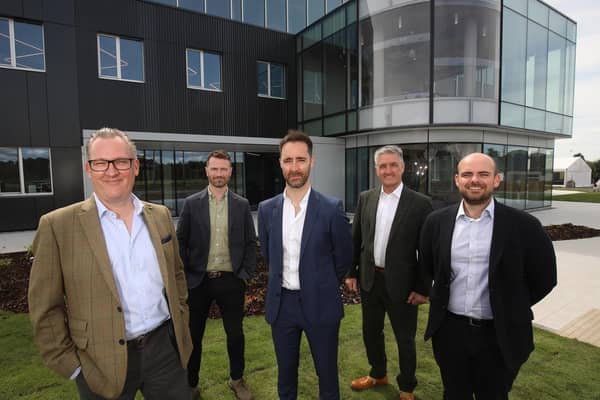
441,78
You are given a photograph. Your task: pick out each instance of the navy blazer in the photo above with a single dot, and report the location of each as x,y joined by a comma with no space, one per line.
193,234
325,256
522,271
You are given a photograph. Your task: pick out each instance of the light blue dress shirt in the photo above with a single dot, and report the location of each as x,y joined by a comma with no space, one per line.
470,256
136,270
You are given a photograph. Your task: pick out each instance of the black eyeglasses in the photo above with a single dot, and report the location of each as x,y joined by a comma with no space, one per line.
121,164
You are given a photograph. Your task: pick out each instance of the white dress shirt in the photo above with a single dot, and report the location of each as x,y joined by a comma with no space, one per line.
291,239
136,270
470,259
386,210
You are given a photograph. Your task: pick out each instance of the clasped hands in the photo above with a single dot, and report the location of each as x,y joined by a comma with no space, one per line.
414,298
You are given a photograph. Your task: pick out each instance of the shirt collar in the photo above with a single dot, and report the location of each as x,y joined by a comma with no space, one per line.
487,212
212,196
138,206
396,192
304,200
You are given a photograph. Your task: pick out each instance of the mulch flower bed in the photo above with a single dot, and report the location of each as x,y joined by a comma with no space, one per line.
15,267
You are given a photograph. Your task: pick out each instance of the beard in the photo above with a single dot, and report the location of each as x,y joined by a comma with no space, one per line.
476,200
298,183
219,181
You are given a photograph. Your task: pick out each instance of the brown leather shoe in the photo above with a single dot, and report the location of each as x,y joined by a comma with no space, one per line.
367,382
407,396
240,389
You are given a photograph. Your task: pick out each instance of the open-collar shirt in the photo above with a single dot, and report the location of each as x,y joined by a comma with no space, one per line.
291,235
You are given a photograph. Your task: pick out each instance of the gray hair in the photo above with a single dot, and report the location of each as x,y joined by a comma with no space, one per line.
110,133
388,149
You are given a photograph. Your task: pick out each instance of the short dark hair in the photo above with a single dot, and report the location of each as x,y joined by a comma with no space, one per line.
296,136
221,154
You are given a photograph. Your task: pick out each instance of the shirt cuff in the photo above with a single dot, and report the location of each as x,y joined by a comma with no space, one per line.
75,373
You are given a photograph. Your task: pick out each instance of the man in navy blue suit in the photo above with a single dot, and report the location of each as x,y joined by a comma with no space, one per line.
307,243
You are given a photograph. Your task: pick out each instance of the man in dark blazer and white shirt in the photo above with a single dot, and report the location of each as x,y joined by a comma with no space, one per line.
218,248
385,235
489,263
305,239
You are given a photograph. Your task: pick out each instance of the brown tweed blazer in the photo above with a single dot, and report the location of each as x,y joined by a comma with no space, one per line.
74,305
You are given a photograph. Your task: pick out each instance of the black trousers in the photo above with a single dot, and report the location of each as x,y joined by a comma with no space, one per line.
153,367
228,292
470,361
403,317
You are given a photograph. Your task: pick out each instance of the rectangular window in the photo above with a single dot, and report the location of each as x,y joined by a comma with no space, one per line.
270,79
25,170
121,59
203,70
21,45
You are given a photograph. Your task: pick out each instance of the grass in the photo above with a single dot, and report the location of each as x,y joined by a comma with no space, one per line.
5,261
584,197
559,368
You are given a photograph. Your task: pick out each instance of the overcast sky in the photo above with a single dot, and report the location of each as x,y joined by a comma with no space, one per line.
586,125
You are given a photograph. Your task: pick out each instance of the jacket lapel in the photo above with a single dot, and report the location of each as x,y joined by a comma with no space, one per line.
312,214
371,211
90,224
401,211
276,231
446,231
499,233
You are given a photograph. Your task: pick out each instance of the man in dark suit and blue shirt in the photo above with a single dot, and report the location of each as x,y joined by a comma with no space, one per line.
489,263
306,240
386,232
218,248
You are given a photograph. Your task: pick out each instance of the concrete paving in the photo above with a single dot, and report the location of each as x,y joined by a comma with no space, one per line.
572,309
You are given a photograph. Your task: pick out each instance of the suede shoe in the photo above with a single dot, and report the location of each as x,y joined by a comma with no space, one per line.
240,389
368,382
407,396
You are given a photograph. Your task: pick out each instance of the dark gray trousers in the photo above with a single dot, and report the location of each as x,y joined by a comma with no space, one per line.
153,367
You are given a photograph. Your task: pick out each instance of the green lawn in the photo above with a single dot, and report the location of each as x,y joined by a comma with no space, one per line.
559,368
587,197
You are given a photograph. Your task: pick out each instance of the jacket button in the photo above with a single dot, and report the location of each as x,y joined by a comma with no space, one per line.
119,309
121,342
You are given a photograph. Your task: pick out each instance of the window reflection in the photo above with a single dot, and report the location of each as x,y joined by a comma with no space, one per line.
21,45
36,170
9,170
516,176
254,12
220,8
276,14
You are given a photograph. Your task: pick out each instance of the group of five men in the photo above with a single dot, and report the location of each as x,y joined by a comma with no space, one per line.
119,299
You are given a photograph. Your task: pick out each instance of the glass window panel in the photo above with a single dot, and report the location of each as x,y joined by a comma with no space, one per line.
29,46
554,123
254,12
334,76
396,40
352,121
555,86
516,176
535,119
172,3
568,125
36,170
312,82
571,31
9,170
194,73
512,115
139,187
352,51
351,191
569,78
212,71
334,22
220,8
236,10
5,58
314,128
335,124
132,60
296,15
548,177
514,56
415,170
277,81
276,14
536,175
194,5
538,12
467,49
108,55
558,23
262,76
331,4
537,62
351,12
517,5
311,36
153,166
169,194
299,81
316,9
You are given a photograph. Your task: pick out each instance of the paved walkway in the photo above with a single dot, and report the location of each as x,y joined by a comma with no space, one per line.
573,307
